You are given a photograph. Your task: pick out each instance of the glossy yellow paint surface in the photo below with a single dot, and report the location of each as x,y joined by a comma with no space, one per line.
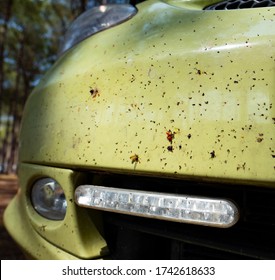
174,91
206,79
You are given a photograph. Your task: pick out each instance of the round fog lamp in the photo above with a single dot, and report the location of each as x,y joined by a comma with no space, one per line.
48,199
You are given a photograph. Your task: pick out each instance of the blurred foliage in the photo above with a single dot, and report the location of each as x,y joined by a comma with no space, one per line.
30,34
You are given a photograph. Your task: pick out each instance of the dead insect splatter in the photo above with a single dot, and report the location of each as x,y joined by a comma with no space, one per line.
170,135
200,72
170,148
241,166
94,92
212,154
135,159
260,138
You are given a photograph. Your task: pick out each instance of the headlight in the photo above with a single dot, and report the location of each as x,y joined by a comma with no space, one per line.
48,199
95,20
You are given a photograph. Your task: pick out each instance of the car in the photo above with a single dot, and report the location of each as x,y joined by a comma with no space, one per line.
153,136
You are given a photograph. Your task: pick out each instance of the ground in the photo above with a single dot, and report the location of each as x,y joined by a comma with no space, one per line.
8,248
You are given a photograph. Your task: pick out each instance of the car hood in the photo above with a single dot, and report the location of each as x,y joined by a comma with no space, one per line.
175,91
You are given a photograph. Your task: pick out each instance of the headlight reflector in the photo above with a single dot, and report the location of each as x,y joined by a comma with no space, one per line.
95,20
178,208
48,199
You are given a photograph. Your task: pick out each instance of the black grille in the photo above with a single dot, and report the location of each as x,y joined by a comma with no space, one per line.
240,4
130,237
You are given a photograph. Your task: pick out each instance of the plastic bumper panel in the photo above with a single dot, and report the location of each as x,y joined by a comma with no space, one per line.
77,236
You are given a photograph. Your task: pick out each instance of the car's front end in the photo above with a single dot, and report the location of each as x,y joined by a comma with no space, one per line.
174,104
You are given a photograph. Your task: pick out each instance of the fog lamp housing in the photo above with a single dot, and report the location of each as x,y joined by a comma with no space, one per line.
48,199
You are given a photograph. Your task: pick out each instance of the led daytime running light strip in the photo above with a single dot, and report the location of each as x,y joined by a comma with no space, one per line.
172,207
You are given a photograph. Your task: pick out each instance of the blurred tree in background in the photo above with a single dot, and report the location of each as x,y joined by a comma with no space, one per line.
30,35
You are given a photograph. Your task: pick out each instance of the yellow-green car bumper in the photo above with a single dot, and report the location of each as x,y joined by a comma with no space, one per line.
178,95
77,236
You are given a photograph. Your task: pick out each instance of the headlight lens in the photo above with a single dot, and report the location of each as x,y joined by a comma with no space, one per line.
48,199
94,20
